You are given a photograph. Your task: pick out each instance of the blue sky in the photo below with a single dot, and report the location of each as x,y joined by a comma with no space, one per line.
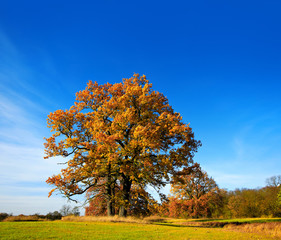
218,62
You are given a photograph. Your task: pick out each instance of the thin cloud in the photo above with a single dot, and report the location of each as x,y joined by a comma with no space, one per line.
21,163
234,180
23,169
31,204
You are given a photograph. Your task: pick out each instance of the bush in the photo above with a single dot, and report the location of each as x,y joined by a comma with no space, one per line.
41,216
3,216
54,215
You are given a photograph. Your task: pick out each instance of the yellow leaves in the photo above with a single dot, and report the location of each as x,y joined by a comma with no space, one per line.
146,89
140,175
126,126
69,142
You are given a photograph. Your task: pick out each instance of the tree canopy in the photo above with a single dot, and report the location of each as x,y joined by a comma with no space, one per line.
192,182
195,194
122,134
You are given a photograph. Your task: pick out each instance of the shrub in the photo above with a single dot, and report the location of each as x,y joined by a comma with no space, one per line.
54,215
3,216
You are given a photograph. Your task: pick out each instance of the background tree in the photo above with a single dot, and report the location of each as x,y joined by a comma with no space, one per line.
75,211
274,181
98,201
3,216
54,215
125,133
195,193
96,207
245,203
254,202
279,198
192,182
66,210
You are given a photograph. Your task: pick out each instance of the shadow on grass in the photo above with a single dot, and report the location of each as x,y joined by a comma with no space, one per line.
215,223
243,220
184,225
170,225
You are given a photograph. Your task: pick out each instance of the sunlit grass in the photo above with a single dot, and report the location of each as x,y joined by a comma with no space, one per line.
115,230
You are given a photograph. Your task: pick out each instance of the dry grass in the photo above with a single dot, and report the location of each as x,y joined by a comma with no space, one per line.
101,219
272,229
146,220
21,218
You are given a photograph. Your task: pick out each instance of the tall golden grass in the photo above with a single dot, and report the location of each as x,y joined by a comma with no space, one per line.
146,220
272,228
22,218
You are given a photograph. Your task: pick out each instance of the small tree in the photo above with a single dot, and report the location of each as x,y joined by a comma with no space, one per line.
274,181
66,210
195,193
75,211
3,216
54,215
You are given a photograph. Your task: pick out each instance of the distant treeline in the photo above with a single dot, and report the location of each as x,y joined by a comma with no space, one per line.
195,195
66,210
240,203
34,217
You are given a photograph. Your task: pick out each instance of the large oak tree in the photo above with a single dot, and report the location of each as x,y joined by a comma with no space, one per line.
124,134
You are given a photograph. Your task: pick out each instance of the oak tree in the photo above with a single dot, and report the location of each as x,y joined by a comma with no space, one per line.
192,182
195,193
122,133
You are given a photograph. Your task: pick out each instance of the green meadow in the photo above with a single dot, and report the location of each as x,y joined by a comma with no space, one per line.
121,230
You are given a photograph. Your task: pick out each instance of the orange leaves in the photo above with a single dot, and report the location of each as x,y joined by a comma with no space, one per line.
194,193
52,148
51,192
192,183
126,126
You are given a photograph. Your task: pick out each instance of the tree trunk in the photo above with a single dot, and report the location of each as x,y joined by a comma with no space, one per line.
122,211
109,192
110,209
127,183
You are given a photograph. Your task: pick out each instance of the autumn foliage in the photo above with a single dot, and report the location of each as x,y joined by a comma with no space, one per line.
118,137
195,194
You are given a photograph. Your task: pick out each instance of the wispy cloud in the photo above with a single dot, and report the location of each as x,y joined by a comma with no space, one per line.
233,181
251,156
31,204
21,163
21,159
23,170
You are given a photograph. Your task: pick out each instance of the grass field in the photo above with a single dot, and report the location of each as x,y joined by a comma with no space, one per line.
110,230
